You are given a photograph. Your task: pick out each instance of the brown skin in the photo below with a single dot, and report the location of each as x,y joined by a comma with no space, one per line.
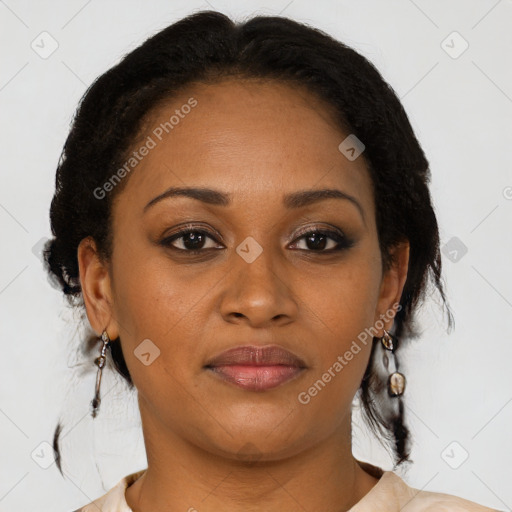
256,141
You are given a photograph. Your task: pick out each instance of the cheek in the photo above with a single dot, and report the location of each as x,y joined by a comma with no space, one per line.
344,310
152,296
155,312
163,303
345,298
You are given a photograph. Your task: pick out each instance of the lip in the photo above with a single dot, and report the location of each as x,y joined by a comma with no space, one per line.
256,368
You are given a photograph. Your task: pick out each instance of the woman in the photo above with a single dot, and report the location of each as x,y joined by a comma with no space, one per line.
243,212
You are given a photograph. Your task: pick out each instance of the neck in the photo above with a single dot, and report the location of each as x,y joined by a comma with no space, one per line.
183,476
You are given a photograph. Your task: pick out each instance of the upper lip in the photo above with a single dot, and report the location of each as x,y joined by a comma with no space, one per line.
252,355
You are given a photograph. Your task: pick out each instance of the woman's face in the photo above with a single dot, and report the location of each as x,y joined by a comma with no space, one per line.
262,276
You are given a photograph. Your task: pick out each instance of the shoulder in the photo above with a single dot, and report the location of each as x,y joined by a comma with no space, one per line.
114,500
428,501
391,493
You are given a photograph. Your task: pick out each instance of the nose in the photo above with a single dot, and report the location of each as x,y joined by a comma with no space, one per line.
259,293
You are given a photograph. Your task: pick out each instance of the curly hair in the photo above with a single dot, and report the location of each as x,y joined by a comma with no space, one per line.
206,47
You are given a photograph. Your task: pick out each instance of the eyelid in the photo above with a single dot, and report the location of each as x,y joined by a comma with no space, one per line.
193,226
334,233
181,229
317,227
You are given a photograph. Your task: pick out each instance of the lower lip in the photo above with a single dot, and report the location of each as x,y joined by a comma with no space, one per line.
256,378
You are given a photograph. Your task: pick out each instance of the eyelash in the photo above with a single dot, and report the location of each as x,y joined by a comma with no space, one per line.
342,241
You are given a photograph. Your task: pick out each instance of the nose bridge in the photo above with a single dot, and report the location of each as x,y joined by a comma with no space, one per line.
256,290
257,262
255,265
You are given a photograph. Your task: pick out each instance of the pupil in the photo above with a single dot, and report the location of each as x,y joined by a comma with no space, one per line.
316,245
193,241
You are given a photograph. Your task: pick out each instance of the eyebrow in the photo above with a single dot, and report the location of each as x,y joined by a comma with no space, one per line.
293,200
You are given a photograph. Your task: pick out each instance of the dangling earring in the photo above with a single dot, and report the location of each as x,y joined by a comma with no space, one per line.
100,363
396,380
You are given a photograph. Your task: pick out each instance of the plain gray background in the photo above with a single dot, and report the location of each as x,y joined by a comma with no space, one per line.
459,101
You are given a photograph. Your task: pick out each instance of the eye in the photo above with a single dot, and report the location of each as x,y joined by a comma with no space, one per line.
191,241
195,241
317,240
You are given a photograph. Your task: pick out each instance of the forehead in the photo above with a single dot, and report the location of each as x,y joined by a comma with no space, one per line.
251,138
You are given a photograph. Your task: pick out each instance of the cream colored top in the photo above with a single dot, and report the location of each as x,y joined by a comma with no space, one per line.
390,494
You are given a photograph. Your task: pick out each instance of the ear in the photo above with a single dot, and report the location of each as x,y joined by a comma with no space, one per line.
96,289
392,284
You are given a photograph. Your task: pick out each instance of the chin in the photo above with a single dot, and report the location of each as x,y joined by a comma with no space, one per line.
256,443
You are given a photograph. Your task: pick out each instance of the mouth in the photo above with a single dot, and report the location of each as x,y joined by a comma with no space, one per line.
256,368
